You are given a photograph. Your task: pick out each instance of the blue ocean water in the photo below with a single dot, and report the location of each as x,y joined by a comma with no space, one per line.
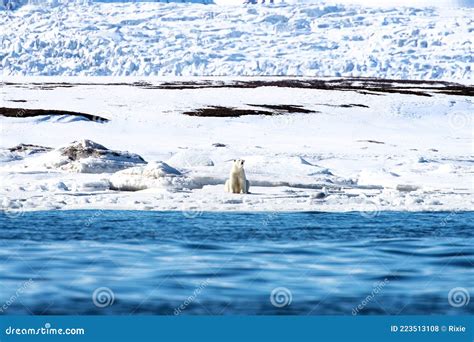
168,263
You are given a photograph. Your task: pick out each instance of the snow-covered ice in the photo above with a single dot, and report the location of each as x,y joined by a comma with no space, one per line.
357,150
304,39
150,176
86,156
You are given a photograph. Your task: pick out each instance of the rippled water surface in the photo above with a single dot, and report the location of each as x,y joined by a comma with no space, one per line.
132,262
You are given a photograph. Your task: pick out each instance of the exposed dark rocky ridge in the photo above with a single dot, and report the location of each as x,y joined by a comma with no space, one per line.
221,111
29,148
363,85
26,112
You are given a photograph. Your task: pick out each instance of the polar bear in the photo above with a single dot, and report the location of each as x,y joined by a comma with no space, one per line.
237,183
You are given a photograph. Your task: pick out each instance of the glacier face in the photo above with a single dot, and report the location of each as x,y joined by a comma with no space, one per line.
84,38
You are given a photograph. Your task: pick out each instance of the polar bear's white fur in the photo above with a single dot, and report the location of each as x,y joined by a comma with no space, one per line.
237,183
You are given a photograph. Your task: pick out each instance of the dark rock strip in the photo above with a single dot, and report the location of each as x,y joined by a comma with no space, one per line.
220,111
360,84
31,149
372,141
25,113
225,112
284,108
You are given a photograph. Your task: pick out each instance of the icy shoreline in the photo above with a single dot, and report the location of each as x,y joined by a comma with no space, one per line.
347,150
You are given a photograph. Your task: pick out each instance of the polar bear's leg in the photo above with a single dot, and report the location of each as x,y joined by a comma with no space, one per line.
245,187
227,186
235,187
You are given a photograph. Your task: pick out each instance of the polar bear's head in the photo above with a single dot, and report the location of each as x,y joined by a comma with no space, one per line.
239,163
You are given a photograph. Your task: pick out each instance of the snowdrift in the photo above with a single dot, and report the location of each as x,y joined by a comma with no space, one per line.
153,175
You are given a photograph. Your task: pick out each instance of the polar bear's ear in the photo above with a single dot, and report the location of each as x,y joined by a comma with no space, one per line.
235,160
